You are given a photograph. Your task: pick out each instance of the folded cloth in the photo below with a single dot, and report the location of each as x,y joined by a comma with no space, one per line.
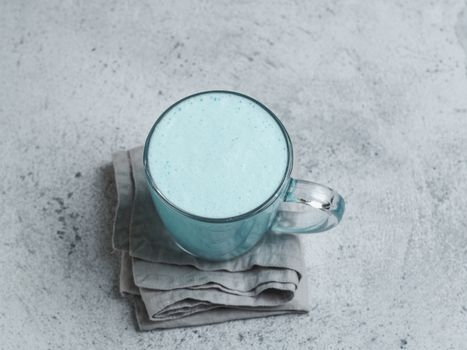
172,288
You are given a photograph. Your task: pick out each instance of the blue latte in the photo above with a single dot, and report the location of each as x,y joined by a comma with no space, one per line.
217,155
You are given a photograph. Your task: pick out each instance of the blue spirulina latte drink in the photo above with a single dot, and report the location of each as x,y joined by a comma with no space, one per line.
218,166
217,155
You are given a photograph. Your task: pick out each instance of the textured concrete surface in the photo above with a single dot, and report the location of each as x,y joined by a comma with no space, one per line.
374,96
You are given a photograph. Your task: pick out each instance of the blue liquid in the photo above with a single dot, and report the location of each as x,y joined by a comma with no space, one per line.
217,155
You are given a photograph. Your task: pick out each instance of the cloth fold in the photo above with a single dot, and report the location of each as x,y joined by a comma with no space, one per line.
173,289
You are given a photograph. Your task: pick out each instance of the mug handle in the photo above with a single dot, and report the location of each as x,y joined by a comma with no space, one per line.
308,207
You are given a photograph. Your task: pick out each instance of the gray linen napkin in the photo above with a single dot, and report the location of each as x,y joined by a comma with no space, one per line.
173,289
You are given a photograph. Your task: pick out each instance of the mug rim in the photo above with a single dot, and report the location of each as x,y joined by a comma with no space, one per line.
264,205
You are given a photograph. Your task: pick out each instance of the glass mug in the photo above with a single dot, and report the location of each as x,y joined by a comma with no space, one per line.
296,206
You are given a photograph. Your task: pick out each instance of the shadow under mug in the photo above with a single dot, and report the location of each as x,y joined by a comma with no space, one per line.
297,206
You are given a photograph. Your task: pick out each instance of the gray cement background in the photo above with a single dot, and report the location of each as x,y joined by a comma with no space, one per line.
374,96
